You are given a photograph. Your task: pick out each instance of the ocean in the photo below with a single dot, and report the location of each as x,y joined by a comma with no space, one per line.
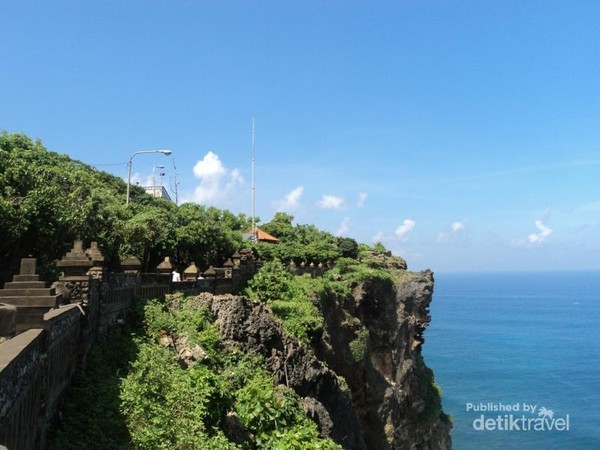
517,356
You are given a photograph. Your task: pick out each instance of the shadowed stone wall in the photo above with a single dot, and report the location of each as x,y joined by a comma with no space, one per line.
46,333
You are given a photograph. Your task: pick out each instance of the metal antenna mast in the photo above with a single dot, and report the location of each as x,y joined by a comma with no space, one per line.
253,178
176,183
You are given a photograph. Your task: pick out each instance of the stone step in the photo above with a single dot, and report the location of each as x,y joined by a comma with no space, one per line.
26,278
46,301
34,292
24,285
74,263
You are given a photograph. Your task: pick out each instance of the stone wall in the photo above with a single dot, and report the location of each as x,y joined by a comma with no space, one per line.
37,364
21,380
314,270
36,367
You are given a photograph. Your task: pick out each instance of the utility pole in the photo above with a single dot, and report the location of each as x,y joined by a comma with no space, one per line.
254,236
176,183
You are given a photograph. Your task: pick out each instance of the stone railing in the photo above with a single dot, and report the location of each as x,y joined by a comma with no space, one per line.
314,270
47,332
21,386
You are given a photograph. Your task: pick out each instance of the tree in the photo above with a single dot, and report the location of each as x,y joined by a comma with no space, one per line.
149,234
207,236
300,243
348,247
48,200
281,226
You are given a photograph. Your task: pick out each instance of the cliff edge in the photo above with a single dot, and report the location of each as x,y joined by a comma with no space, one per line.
363,379
373,340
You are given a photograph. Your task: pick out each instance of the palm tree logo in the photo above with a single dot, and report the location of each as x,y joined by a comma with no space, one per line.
545,413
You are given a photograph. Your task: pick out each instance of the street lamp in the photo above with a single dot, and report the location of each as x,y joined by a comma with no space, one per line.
154,174
164,152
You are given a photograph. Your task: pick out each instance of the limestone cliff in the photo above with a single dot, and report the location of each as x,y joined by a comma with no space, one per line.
252,327
364,381
373,340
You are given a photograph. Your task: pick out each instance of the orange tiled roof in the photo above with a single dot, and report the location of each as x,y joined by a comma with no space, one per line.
264,236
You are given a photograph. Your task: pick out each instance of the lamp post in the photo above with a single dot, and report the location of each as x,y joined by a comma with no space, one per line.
154,174
154,181
164,152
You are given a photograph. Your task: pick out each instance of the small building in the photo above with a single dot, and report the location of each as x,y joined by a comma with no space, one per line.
158,192
260,236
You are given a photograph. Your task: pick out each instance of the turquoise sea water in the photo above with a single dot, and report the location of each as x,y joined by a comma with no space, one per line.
500,341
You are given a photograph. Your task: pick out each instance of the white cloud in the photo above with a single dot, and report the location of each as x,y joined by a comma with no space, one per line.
216,181
362,198
541,235
331,202
454,233
377,237
236,176
405,228
209,167
534,239
457,226
291,200
344,227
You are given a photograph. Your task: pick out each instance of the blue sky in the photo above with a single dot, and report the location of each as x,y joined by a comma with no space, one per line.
462,134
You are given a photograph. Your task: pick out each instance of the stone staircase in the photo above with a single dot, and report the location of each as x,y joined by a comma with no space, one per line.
30,296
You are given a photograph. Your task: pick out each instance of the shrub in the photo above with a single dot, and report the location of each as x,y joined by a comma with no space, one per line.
275,417
170,406
359,346
290,298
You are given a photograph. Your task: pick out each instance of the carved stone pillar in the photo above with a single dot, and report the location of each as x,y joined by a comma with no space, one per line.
75,278
191,273
97,271
131,265
228,268
165,267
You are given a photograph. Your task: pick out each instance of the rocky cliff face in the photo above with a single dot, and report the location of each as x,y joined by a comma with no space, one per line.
365,382
252,327
374,341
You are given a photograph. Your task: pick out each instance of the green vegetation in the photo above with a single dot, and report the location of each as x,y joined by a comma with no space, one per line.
360,345
138,390
48,200
169,405
290,297
91,416
296,299
433,397
136,393
354,271
302,243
